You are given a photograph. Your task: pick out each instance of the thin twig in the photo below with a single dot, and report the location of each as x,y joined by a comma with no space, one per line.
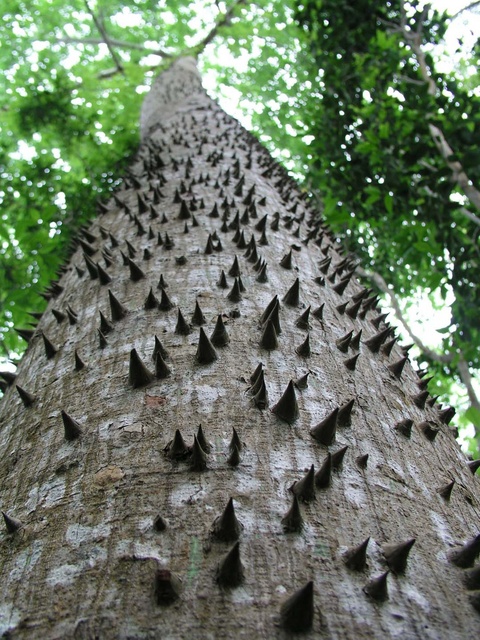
120,44
224,20
446,358
470,215
459,175
469,7
467,380
383,286
106,39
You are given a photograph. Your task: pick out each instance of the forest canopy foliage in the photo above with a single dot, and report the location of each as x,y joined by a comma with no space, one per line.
347,93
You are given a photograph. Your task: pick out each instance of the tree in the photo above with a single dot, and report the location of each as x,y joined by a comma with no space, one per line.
213,432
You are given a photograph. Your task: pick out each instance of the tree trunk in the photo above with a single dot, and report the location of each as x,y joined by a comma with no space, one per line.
117,527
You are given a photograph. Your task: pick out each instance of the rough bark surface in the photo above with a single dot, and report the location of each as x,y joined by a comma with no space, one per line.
92,558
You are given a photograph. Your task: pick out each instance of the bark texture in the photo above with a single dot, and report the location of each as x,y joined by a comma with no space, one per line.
123,517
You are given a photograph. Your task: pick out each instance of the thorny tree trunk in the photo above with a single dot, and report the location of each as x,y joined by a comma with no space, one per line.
120,535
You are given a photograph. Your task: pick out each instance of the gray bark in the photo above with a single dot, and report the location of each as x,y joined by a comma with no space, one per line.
85,561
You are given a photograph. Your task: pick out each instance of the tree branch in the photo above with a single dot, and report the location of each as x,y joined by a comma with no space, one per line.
470,215
459,175
469,7
446,358
467,380
106,39
383,286
224,20
120,44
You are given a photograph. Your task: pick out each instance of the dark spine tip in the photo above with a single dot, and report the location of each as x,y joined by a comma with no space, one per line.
105,325
404,427
71,427
304,349
429,430
377,587
446,415
219,337
286,261
103,276
177,449
269,340
471,579
235,294
202,441
302,382
356,558
79,363
287,408
151,301
304,489
345,414
198,459
159,524
167,587
292,521
222,282
351,363
397,367
161,368
27,334
58,315
117,310
165,303
230,569
27,398
268,309
375,342
342,285
234,270
292,297
275,318
338,456
50,350
318,312
138,375
226,527
135,272
362,461
256,374
198,318
344,342
182,327
323,476
465,556
296,613
11,524
420,399
355,341
396,555
446,491
302,320
325,431
234,456
473,465
235,441
205,351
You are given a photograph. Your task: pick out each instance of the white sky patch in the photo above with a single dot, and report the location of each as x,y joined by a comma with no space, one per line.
24,152
126,18
167,17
